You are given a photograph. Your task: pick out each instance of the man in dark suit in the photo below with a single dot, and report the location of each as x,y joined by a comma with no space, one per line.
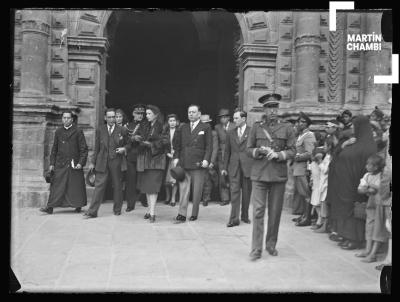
238,164
222,128
111,143
193,154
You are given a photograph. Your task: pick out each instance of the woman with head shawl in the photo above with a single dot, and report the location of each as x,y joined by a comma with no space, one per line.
346,169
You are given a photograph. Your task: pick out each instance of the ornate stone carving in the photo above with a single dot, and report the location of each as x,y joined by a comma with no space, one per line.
84,96
285,49
256,20
285,63
57,70
17,84
36,26
259,36
334,65
17,68
58,54
59,20
286,18
56,37
354,20
307,40
285,79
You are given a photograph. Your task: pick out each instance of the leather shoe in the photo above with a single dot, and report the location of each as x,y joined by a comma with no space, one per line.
316,226
88,215
172,204
117,213
129,209
152,218
193,218
335,237
77,210
146,216
232,224
303,222
205,203
224,203
350,246
46,210
272,251
246,220
167,202
255,255
145,204
297,219
179,219
343,243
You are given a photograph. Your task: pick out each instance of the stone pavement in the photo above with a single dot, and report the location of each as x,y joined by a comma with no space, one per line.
64,252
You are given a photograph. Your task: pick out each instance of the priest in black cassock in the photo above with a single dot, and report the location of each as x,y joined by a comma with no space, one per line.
67,159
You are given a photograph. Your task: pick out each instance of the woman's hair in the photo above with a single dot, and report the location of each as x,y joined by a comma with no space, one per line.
377,161
172,115
157,112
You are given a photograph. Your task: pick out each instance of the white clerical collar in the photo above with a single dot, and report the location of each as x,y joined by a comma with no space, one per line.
66,128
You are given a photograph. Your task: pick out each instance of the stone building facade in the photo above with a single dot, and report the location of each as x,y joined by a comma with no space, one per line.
60,55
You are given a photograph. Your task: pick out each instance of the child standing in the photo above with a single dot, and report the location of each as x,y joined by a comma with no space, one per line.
369,185
315,184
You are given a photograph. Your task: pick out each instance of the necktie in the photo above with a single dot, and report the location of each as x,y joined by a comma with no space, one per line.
191,127
240,132
109,130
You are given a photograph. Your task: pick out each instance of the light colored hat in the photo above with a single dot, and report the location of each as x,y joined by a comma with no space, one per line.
205,118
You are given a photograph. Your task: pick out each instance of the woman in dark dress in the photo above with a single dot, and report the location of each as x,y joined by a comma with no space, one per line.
345,171
151,160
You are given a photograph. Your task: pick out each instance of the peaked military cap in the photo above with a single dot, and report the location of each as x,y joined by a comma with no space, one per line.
270,100
304,116
139,108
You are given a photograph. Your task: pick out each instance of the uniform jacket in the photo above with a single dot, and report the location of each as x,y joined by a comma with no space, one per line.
222,133
68,144
153,156
194,147
133,129
283,142
236,156
305,145
106,145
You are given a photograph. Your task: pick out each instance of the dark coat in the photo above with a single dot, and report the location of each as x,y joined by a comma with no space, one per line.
222,134
68,187
236,153
194,147
153,156
106,145
68,144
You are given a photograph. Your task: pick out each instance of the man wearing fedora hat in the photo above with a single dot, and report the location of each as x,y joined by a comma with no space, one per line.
211,177
271,143
67,159
222,129
133,127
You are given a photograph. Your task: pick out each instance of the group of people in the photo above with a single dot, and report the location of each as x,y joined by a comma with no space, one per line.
341,176
344,181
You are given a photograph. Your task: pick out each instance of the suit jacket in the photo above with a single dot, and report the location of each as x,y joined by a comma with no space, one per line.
283,142
106,145
222,133
68,144
236,156
305,145
194,147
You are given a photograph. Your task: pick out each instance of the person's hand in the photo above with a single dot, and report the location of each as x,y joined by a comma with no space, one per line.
51,168
169,155
136,138
224,172
146,143
176,160
120,150
78,166
372,191
211,165
91,167
204,164
272,155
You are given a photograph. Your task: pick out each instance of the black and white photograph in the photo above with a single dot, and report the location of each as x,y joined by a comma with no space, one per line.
202,150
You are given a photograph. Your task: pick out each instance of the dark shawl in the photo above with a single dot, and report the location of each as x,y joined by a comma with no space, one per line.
348,168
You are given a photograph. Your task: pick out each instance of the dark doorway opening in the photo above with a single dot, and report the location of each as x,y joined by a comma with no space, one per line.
173,59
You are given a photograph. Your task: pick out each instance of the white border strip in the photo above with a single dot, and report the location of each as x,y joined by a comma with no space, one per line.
394,77
335,5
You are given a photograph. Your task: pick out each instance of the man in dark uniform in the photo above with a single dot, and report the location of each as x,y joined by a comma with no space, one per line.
222,129
271,143
68,157
138,121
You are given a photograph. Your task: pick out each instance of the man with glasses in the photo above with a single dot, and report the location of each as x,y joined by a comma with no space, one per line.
270,143
110,145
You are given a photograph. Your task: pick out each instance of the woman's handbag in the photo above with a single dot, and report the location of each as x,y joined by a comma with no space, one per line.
360,210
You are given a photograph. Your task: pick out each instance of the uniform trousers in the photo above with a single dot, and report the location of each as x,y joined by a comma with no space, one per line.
131,184
263,193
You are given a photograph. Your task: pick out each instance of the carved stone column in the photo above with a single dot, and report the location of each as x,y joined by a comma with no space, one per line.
376,63
34,53
307,51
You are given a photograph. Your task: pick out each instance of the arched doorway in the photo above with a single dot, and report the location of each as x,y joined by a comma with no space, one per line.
172,59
